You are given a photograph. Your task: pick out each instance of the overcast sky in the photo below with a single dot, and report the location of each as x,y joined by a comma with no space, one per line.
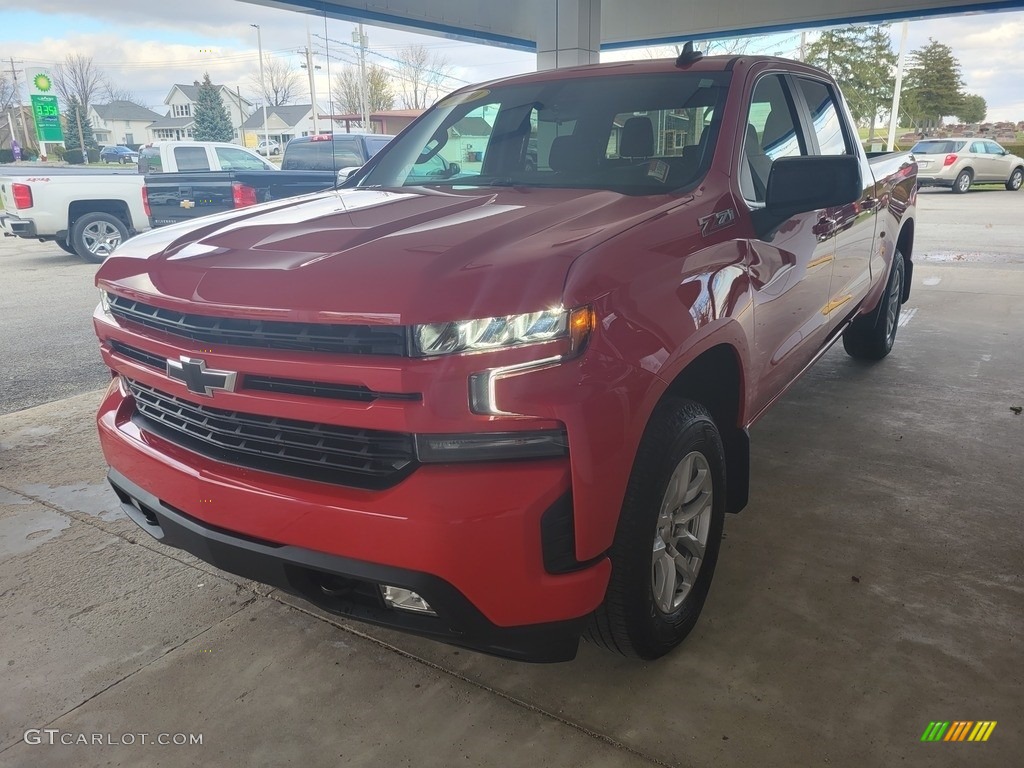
147,45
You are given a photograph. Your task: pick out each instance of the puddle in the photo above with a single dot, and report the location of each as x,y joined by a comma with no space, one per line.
12,499
27,529
93,499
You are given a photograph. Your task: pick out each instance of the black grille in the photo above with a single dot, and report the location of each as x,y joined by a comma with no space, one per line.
139,355
364,458
272,334
324,389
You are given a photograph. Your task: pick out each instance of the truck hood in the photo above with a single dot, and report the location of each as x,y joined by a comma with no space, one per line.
375,256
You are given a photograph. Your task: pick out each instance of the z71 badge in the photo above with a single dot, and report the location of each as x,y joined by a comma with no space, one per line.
716,221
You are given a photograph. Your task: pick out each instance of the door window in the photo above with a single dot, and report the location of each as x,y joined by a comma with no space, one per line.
771,133
238,160
191,159
828,128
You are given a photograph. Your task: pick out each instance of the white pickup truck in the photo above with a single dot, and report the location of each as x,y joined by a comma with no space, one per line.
90,212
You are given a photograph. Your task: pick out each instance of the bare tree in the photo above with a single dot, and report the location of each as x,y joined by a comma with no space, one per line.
78,77
380,94
113,92
6,92
421,76
281,84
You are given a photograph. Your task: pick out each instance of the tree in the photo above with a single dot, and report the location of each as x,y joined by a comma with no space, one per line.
380,95
421,76
113,92
6,92
211,117
281,81
861,60
973,109
77,116
78,78
934,86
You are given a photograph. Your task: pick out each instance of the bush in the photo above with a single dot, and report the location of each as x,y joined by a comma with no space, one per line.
1014,149
57,152
74,156
6,156
94,155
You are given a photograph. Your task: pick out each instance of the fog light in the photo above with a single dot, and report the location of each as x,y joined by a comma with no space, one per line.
405,600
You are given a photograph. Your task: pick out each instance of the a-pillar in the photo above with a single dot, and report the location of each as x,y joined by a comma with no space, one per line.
569,33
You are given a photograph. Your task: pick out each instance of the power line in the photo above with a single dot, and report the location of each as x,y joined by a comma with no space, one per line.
328,40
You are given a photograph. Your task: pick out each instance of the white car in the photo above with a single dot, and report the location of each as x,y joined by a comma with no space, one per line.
268,148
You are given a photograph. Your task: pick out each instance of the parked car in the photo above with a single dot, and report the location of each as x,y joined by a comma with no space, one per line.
332,152
87,212
119,154
268,148
960,162
508,407
174,156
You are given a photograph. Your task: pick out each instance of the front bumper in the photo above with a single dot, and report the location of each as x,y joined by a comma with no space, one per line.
345,586
467,537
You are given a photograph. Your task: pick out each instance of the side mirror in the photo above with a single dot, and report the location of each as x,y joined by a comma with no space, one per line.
802,184
454,169
344,173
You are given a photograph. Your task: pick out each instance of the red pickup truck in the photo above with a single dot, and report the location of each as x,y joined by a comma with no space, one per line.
508,407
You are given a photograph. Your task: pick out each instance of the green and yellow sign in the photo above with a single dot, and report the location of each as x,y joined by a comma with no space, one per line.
46,114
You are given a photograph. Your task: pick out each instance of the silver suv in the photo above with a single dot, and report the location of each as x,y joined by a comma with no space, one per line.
958,163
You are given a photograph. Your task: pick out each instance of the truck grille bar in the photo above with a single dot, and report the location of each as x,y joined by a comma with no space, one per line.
271,334
362,458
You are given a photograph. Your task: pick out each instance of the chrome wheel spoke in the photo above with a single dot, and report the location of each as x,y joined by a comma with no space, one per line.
681,536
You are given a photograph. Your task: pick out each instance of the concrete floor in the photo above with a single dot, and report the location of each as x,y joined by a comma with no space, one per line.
875,583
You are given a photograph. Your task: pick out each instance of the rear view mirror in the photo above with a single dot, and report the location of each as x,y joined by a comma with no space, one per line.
801,184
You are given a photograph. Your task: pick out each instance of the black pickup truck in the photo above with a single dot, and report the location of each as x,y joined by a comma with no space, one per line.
184,195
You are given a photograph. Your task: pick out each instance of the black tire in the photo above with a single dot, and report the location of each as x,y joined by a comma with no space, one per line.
94,236
63,244
962,183
871,337
121,160
1015,180
630,621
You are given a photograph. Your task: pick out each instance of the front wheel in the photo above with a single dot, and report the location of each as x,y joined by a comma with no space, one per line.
871,337
962,182
669,533
94,236
1015,180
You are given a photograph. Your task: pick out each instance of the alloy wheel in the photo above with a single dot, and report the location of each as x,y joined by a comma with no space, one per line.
101,238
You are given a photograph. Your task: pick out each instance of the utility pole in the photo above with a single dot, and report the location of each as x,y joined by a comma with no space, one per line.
241,116
894,116
312,80
17,103
263,87
363,41
803,46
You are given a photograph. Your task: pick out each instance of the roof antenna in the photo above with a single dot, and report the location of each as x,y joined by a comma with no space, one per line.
688,56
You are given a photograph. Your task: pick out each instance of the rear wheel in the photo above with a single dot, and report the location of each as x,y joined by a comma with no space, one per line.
668,537
1015,180
963,182
871,337
94,236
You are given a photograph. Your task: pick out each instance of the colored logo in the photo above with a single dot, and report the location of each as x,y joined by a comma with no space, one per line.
42,82
959,730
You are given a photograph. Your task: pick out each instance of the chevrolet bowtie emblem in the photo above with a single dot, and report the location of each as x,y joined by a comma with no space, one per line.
197,378
187,204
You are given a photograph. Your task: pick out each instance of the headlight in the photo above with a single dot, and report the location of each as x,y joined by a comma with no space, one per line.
105,302
491,333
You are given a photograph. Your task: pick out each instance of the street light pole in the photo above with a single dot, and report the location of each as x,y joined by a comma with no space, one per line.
363,40
312,79
263,87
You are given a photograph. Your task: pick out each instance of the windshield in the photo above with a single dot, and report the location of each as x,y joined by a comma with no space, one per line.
634,134
937,147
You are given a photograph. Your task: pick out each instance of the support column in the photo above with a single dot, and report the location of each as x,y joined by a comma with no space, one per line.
568,33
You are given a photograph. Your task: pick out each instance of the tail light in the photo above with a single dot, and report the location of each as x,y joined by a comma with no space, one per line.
145,202
243,194
950,159
22,195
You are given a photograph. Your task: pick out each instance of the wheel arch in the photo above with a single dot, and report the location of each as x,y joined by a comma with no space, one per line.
905,247
116,208
715,379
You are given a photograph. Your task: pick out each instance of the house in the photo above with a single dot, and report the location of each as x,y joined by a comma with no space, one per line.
389,122
121,122
284,123
180,120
